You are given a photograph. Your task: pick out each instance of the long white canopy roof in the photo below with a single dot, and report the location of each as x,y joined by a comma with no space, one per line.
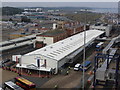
65,47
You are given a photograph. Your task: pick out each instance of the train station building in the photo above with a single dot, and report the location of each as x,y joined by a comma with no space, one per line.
54,56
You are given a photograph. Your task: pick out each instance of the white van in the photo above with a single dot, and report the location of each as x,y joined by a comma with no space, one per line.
77,67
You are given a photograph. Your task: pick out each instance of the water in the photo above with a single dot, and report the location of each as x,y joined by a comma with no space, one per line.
105,10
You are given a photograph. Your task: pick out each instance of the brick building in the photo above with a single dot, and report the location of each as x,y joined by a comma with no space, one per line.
74,30
51,36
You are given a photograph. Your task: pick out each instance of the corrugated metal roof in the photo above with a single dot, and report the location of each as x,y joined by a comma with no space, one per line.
65,47
18,39
16,45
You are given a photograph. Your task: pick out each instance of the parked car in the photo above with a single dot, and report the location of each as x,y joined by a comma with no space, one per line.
77,67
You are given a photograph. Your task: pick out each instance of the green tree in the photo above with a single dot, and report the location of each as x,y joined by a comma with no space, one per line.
11,11
10,19
25,19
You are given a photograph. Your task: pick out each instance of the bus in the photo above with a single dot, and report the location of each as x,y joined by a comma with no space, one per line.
11,86
87,65
25,84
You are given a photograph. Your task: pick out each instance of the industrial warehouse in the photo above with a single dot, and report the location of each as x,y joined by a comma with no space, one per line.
72,47
53,56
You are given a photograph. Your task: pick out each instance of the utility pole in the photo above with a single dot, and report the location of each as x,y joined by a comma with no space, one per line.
84,52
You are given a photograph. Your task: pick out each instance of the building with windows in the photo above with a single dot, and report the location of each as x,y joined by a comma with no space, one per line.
57,33
102,27
52,36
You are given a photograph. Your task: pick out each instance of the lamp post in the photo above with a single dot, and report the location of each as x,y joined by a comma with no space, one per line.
84,52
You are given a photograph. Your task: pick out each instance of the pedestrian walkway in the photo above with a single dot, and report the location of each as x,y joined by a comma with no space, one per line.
22,72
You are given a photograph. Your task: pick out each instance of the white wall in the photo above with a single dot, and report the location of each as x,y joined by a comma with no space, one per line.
107,29
15,57
46,40
32,59
28,59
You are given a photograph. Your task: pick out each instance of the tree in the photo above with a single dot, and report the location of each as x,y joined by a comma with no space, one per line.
11,10
25,19
10,19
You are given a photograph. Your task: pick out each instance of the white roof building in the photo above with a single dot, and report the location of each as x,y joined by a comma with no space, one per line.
64,47
55,54
102,27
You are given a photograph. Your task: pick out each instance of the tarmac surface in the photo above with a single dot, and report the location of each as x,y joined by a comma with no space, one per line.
64,81
6,75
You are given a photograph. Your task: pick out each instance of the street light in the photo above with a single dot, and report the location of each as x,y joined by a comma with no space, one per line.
84,52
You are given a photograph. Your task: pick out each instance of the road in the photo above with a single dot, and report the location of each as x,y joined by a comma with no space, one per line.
6,75
64,81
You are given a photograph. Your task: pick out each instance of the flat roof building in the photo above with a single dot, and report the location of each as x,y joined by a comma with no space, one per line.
54,56
102,27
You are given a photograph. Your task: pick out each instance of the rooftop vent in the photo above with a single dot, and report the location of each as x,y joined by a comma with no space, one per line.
45,50
62,42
